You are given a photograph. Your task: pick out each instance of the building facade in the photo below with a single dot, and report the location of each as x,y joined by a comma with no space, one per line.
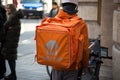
116,41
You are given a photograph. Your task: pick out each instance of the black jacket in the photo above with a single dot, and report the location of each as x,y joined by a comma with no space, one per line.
2,21
53,12
12,33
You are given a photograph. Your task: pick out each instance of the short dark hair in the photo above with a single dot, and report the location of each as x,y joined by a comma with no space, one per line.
54,3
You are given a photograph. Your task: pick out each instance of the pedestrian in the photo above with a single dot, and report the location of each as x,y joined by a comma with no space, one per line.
2,21
12,34
68,11
54,10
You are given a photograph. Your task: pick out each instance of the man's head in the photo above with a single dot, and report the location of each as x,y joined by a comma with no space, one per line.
54,5
70,6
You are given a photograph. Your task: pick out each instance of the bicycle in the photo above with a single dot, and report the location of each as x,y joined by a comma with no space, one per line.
97,53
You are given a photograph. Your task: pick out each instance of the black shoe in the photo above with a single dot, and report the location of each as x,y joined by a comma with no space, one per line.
2,76
11,77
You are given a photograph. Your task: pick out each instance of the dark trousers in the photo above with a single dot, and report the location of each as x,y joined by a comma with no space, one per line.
2,66
12,65
64,74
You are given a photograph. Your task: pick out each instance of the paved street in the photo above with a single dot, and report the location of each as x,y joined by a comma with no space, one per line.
26,68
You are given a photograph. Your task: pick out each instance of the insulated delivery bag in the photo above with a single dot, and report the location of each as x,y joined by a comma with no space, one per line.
57,42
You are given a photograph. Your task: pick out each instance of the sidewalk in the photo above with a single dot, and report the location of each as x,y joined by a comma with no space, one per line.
28,70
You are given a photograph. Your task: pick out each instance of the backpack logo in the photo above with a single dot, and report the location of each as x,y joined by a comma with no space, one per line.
52,50
52,47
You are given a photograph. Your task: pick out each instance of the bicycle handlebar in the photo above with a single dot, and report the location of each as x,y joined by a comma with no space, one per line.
108,57
96,40
95,51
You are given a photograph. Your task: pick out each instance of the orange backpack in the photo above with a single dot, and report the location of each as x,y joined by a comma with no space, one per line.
57,42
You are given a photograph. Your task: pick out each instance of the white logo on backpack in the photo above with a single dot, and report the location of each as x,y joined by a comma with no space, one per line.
52,47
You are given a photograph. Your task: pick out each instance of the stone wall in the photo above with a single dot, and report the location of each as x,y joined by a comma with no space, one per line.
116,39
107,24
116,27
88,10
